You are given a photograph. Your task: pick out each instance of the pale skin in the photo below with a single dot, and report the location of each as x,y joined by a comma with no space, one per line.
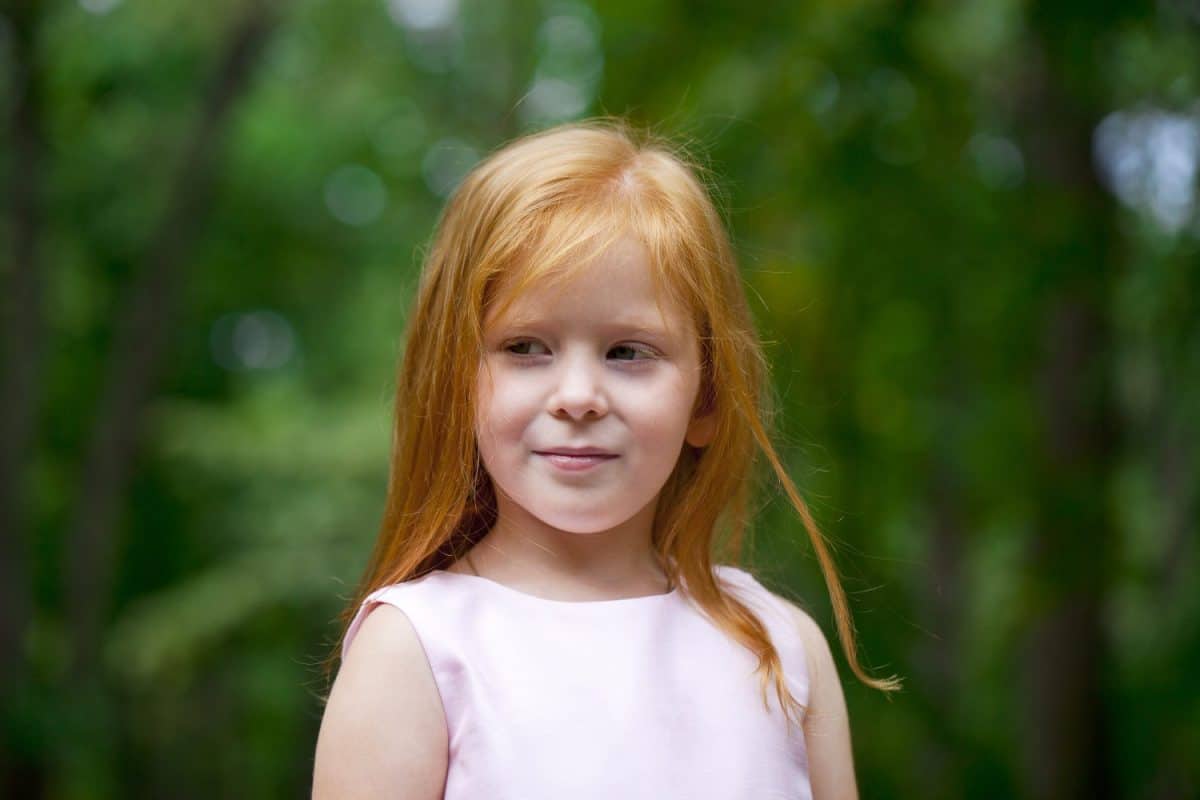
594,363
384,732
826,722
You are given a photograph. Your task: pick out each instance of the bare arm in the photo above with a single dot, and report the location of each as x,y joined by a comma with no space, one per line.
384,730
826,723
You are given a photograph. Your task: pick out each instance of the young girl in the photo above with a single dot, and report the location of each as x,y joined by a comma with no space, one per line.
579,408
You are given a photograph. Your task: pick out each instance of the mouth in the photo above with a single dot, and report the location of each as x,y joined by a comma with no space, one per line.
574,461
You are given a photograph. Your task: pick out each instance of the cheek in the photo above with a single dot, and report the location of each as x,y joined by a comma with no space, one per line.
671,404
502,409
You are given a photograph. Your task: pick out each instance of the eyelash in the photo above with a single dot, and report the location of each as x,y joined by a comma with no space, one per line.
649,353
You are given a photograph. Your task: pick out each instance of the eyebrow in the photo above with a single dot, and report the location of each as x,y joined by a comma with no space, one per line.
632,326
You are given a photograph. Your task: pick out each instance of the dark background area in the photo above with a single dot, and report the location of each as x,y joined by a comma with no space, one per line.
969,233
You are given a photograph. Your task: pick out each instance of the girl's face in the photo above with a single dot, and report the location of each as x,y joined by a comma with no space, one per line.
591,367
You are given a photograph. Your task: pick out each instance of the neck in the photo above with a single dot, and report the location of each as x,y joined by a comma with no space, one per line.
523,551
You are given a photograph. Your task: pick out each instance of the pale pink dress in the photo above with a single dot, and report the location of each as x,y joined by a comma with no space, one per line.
635,698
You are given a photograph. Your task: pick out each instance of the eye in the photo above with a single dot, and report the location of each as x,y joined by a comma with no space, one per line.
632,352
524,347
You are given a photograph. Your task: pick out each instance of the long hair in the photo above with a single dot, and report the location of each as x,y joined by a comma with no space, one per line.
537,210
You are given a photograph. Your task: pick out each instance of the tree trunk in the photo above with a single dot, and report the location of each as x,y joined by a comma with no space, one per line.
24,333
24,345
139,346
1066,731
942,602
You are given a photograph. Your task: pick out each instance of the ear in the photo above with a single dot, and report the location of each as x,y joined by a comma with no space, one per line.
701,429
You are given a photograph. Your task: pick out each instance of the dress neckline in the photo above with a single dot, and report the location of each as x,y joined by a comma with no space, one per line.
500,587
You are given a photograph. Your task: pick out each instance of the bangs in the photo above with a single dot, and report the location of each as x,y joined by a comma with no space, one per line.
560,242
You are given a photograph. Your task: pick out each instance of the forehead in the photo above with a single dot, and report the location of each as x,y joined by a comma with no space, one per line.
617,287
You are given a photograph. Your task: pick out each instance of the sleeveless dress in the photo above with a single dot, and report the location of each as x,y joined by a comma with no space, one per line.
634,698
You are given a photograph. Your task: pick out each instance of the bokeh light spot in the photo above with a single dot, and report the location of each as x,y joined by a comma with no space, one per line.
446,164
355,195
252,340
423,15
1148,159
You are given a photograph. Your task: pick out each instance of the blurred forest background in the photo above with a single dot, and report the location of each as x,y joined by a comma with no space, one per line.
969,228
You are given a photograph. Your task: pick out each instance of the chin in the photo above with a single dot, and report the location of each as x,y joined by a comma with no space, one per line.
582,527
582,524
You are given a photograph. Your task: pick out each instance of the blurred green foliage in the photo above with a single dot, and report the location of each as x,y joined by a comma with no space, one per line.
969,235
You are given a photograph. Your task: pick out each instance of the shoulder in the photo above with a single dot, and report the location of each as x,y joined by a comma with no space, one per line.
801,628
423,601
799,622
826,719
821,668
384,692
384,631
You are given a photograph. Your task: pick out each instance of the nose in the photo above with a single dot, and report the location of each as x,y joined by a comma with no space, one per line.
579,390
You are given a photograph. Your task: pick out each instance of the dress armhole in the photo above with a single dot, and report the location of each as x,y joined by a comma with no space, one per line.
440,655
779,615
368,604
